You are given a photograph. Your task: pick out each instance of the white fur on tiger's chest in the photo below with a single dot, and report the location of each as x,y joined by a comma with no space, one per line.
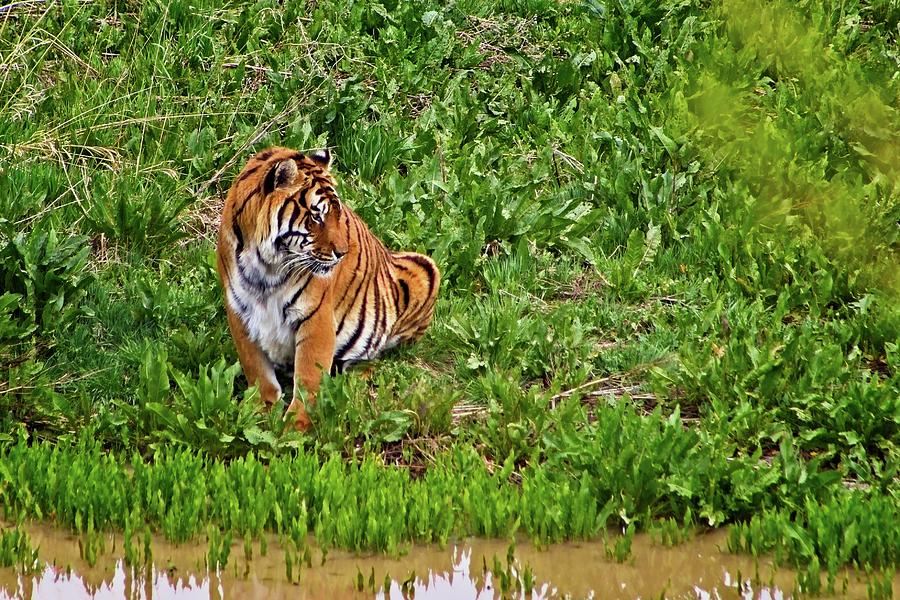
262,299
267,325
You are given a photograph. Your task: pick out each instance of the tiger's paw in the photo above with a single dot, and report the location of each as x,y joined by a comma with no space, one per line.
296,416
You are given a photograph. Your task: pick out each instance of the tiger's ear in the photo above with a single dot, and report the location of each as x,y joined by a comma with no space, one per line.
323,157
280,176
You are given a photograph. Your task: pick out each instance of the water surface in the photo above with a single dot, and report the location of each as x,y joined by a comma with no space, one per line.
700,568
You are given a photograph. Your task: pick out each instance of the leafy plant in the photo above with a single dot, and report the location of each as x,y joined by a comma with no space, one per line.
11,330
827,535
199,412
639,251
47,272
137,213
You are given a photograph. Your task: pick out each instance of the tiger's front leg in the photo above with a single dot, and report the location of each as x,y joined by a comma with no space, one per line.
314,353
257,368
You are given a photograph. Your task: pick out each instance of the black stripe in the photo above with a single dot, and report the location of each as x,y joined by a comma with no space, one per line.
427,265
248,172
362,280
240,237
294,215
265,154
268,184
267,264
381,328
281,210
257,283
242,308
357,332
424,263
244,204
395,294
417,316
296,325
290,303
286,236
303,199
404,287
340,326
368,345
383,252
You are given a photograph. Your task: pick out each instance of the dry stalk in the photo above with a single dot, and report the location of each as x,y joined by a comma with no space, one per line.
235,65
462,412
604,387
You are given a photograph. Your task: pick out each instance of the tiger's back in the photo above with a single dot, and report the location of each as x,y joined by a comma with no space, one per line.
307,285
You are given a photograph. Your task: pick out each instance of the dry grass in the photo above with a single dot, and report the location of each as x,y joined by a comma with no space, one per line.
497,40
465,412
613,387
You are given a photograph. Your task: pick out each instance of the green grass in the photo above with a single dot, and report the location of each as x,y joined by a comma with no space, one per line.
668,233
845,530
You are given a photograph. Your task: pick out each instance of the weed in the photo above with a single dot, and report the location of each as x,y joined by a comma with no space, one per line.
46,272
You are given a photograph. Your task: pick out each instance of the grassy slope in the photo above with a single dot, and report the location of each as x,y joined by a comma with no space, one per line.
668,233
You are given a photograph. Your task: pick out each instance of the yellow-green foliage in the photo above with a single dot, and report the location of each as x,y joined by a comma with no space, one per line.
785,166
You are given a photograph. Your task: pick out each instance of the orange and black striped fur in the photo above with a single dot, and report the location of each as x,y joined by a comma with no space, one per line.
307,286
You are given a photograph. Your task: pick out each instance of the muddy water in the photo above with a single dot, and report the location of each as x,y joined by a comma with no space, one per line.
697,569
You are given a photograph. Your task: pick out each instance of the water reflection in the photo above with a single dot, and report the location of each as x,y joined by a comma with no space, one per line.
697,569
461,582
54,582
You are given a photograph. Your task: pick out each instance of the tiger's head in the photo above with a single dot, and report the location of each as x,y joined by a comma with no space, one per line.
302,226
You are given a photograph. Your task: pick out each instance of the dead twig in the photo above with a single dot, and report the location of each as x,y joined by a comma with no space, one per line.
631,390
462,412
568,159
602,388
577,388
11,7
234,65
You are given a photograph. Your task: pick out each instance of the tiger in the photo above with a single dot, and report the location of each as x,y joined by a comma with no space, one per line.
308,287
